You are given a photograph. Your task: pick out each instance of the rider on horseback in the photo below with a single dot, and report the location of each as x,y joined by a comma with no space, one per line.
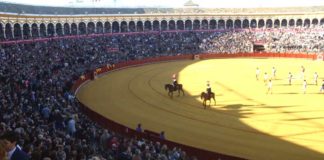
174,80
209,91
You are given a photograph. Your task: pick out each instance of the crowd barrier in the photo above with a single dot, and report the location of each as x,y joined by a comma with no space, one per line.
130,132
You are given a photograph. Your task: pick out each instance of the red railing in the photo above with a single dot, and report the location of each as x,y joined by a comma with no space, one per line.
121,129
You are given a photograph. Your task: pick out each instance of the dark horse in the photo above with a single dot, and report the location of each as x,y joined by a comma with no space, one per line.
170,88
205,97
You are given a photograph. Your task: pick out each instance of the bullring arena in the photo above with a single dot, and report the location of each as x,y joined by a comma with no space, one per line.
245,122
89,82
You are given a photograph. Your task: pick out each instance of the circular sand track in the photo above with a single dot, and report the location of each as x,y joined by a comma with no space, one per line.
245,122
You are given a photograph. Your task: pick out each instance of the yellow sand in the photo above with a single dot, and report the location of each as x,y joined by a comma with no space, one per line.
245,121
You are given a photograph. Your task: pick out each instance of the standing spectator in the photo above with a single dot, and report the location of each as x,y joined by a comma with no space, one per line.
104,140
71,126
139,128
162,136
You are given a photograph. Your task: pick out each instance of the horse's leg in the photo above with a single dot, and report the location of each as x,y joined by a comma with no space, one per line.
182,91
178,92
214,100
204,103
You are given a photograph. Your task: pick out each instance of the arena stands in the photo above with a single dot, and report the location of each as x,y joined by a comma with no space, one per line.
36,78
36,74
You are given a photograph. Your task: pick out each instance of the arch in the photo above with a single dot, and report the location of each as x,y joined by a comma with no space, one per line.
261,23
131,26
82,28
26,31
91,28
229,24
50,29
59,29
188,25
299,23
204,24
74,29
276,23
42,30
322,22
306,23
8,31
221,24
291,23
180,25
99,27
115,27
2,37
196,24
237,24
123,26
17,31
156,25
35,30
147,26
172,25
246,23
140,26
253,23
212,24
164,25
315,21
107,27
66,28
269,23
284,23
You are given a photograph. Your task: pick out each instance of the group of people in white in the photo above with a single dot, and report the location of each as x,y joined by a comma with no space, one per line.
267,79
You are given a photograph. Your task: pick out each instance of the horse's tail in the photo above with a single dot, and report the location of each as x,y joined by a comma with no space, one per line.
166,87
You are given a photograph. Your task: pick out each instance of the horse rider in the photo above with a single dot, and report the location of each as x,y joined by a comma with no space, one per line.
174,80
209,91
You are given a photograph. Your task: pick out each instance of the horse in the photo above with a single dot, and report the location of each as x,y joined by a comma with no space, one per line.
205,97
170,88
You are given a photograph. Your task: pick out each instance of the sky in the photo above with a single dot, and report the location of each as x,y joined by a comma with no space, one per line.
170,3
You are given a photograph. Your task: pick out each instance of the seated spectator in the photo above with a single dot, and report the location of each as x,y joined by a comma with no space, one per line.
14,151
3,152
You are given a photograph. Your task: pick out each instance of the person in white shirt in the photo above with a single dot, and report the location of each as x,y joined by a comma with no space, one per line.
290,76
274,71
269,87
304,87
265,77
315,78
322,88
257,73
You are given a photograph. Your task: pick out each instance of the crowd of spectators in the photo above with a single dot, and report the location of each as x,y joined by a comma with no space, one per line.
37,105
296,40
